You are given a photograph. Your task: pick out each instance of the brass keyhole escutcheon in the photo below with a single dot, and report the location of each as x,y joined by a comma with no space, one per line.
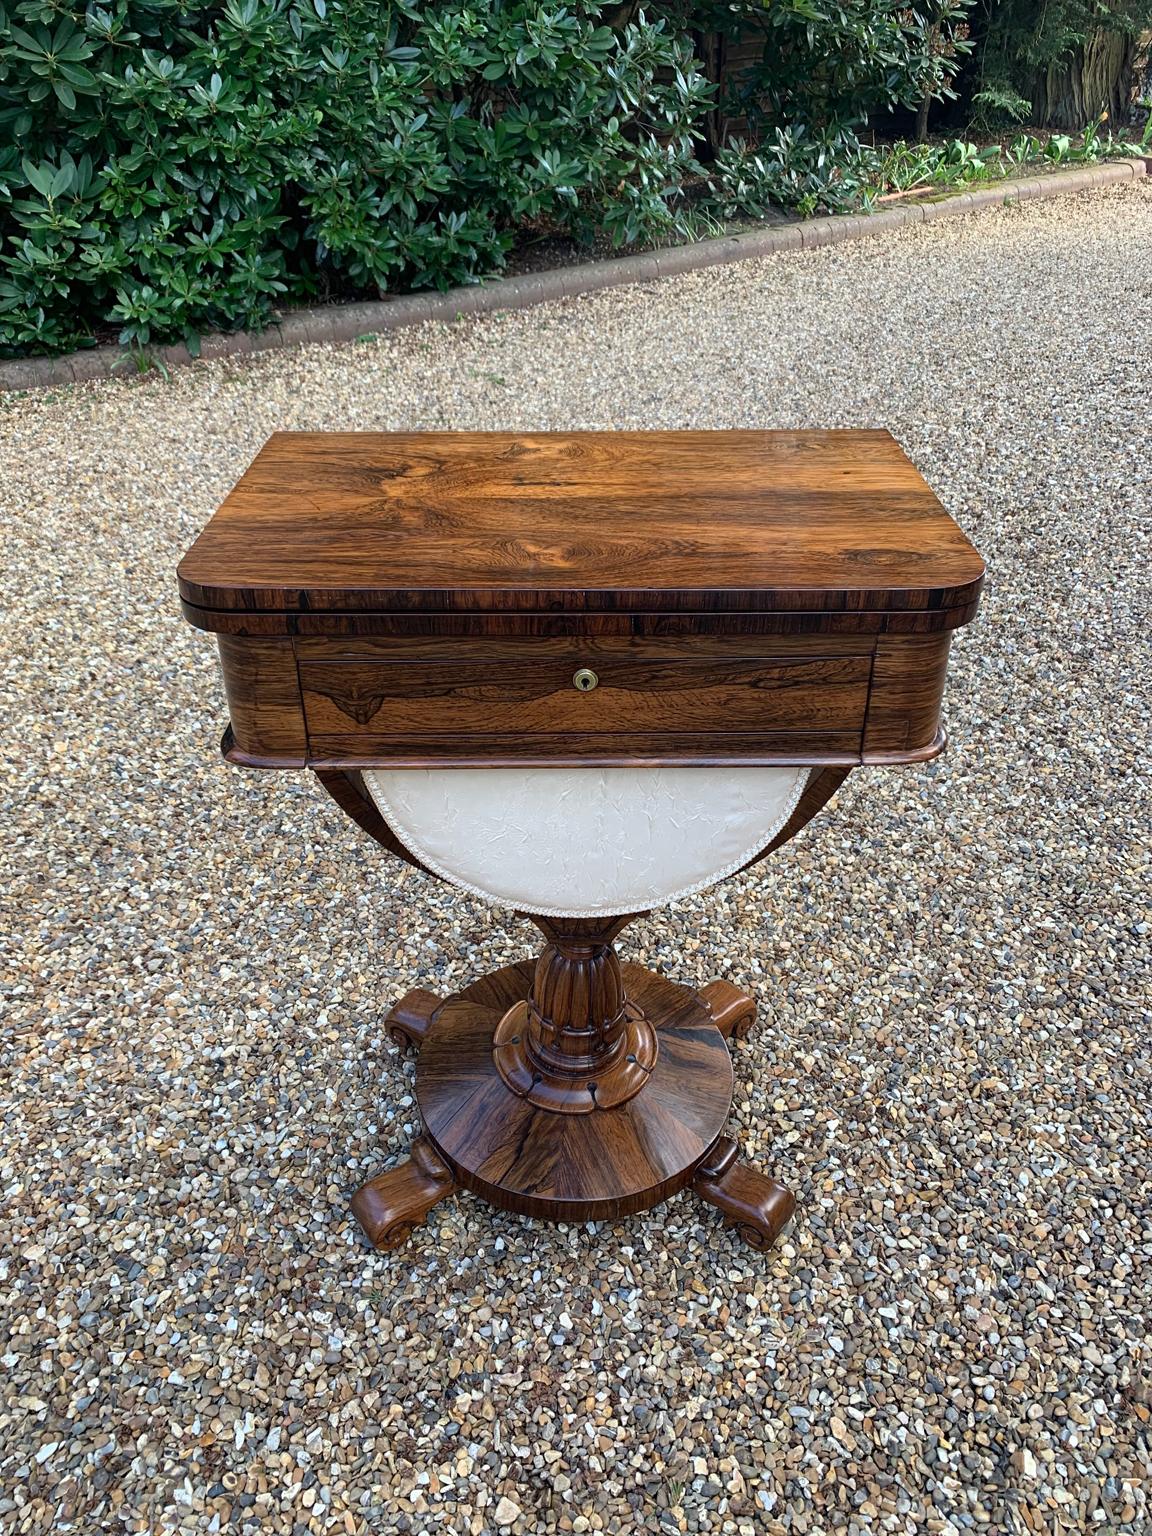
585,680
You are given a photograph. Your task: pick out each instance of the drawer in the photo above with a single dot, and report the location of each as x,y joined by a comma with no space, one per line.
393,708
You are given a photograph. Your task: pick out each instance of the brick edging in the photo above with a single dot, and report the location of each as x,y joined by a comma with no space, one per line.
345,322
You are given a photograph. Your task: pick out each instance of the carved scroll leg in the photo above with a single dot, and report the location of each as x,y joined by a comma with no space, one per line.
754,1204
391,1207
733,1011
407,1023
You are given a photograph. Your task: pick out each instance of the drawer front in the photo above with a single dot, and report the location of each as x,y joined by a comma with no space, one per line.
393,708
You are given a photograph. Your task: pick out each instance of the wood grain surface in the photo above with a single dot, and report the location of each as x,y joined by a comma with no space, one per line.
367,708
586,522
606,1162
335,704
573,1167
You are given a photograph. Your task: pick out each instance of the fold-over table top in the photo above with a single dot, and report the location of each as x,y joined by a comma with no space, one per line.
608,522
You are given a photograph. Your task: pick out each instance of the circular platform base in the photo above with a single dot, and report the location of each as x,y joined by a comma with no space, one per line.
573,1167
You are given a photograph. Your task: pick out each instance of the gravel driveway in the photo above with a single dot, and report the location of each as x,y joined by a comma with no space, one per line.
952,1065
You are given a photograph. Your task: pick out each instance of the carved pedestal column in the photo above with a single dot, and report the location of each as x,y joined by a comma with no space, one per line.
576,1044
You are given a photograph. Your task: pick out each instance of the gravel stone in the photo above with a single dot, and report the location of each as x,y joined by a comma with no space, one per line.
951,1066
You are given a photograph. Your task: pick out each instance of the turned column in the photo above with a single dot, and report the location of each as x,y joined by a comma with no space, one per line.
576,1044
576,1010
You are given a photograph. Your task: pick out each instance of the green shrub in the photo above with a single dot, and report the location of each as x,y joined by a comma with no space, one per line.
833,65
822,70
792,168
170,168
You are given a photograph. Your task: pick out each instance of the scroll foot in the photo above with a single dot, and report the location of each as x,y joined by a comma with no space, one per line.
391,1207
408,1022
733,1011
750,1201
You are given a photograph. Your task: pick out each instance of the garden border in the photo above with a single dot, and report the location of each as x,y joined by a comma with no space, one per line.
347,322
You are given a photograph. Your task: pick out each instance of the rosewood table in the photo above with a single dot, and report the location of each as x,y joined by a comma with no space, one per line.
580,674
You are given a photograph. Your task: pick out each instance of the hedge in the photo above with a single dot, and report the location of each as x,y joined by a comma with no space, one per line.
168,168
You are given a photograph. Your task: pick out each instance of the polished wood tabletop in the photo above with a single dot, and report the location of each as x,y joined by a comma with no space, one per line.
587,521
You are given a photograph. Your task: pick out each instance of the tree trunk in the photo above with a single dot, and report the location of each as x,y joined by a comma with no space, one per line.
1096,79
922,118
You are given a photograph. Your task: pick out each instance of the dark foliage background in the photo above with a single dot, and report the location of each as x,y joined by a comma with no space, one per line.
1059,63
169,168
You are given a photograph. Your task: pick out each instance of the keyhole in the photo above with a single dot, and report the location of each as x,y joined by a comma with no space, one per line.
585,680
